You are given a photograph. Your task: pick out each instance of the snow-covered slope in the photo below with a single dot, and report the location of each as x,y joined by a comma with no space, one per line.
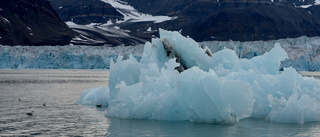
102,34
132,15
110,33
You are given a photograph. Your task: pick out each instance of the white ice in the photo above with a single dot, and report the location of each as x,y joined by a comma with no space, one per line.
217,89
301,51
95,96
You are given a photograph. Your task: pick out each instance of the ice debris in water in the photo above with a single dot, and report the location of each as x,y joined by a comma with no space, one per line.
218,88
95,96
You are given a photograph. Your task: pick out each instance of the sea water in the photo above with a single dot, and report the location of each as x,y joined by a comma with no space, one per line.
60,89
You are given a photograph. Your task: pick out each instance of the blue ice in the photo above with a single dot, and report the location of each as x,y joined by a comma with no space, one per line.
213,89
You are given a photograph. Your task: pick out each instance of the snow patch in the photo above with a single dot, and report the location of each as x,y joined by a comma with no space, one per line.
6,20
70,23
305,6
29,29
132,15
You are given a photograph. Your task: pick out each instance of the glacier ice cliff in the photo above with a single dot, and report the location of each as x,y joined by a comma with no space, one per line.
303,54
216,88
63,57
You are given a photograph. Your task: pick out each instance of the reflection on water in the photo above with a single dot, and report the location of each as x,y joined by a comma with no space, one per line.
245,128
59,89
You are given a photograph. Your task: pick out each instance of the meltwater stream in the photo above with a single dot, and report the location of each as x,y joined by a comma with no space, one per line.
59,89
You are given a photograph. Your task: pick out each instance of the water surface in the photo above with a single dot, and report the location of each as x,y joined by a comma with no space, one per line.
59,89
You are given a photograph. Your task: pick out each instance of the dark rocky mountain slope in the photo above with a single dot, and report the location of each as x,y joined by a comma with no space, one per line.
241,20
32,22
203,20
86,11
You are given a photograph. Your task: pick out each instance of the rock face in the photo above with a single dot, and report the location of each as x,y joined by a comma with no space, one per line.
32,22
240,20
205,20
86,11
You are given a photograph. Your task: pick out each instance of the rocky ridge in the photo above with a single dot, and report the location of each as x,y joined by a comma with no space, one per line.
32,22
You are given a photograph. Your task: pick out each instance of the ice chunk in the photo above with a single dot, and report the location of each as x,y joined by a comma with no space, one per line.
193,95
95,96
217,88
187,49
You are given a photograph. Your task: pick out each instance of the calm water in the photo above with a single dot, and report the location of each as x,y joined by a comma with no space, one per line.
59,89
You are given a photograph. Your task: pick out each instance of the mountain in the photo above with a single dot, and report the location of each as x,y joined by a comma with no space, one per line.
240,20
86,11
32,22
202,20
106,22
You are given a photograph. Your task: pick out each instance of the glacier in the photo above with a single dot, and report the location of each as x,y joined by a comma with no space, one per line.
303,53
63,57
211,88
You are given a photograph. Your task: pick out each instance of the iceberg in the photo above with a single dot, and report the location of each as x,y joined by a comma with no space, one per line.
177,80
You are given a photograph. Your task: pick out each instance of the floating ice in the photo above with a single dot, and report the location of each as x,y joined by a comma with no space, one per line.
95,96
218,88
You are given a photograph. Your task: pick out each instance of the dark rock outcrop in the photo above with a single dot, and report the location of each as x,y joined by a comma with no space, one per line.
260,22
86,11
32,22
